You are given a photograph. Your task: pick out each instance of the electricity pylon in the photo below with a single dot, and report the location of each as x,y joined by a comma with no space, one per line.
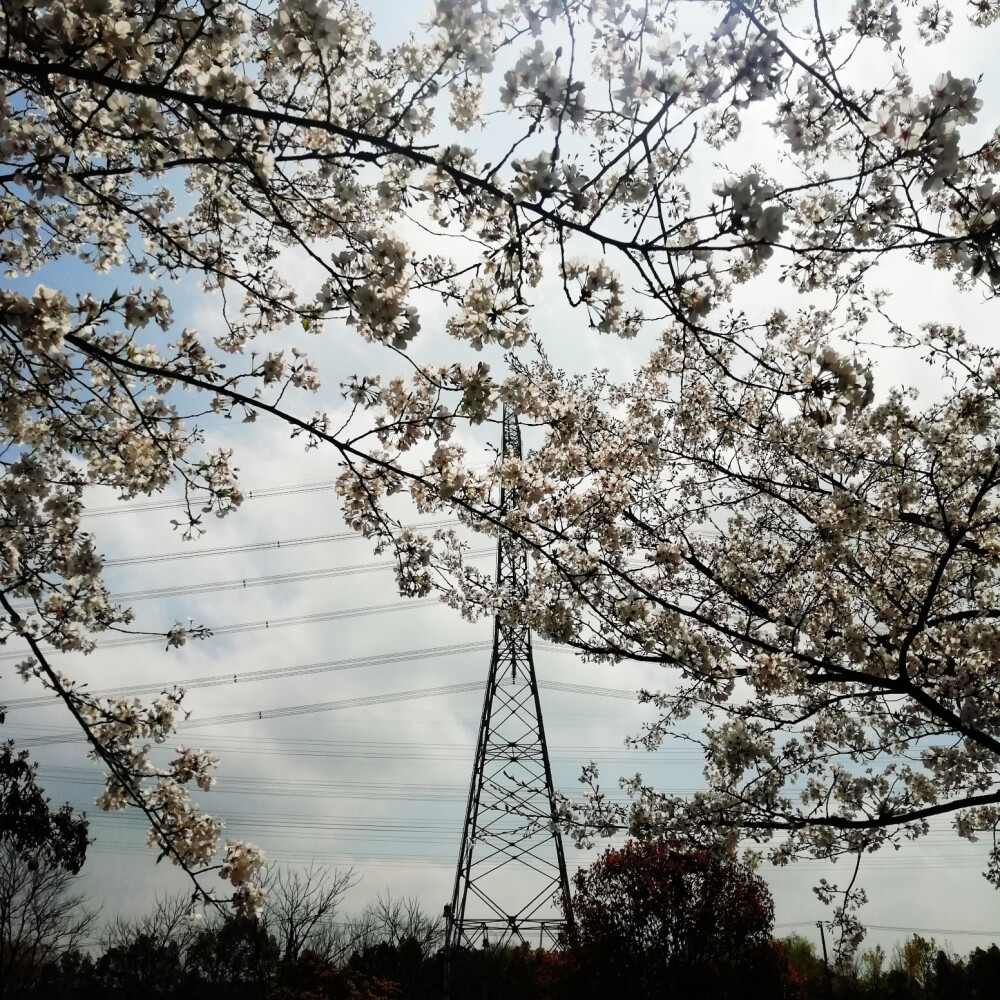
511,866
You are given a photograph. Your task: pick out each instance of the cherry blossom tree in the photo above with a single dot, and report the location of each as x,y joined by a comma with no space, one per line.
810,548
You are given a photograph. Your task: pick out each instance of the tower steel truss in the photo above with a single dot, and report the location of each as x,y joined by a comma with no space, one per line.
511,867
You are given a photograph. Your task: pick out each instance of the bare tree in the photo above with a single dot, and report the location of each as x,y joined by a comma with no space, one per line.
301,905
387,921
40,916
41,852
399,920
167,921
143,956
337,940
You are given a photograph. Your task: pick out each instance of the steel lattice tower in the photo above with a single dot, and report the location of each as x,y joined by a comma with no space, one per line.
511,863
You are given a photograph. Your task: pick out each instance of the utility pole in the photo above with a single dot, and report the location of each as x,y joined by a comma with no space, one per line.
826,961
511,864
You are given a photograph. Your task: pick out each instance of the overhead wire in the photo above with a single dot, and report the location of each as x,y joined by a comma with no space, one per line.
393,830
900,927
271,746
269,673
440,830
263,624
311,708
271,579
302,576
347,827
302,669
303,788
278,543
422,861
284,544
264,492
175,502
383,699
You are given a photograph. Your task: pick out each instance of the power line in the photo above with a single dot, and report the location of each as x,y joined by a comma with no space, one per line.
302,669
934,930
382,699
423,861
291,543
245,583
276,713
298,788
307,788
334,706
265,492
389,751
603,692
166,503
355,750
437,830
267,674
279,543
896,927
272,579
256,626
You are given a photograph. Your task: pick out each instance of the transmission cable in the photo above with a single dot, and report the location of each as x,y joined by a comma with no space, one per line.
323,666
265,492
271,673
273,579
280,543
383,699
257,626
167,502
334,706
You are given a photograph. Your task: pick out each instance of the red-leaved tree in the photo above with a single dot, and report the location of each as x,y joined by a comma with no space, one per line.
653,917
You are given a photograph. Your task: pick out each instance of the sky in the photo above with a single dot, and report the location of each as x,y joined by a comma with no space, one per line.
377,780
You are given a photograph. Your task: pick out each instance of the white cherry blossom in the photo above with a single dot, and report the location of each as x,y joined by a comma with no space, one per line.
808,547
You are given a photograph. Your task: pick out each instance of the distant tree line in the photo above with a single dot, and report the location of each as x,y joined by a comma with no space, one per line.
916,970
653,918
395,952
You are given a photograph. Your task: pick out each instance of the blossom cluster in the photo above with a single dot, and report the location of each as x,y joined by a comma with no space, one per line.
750,508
